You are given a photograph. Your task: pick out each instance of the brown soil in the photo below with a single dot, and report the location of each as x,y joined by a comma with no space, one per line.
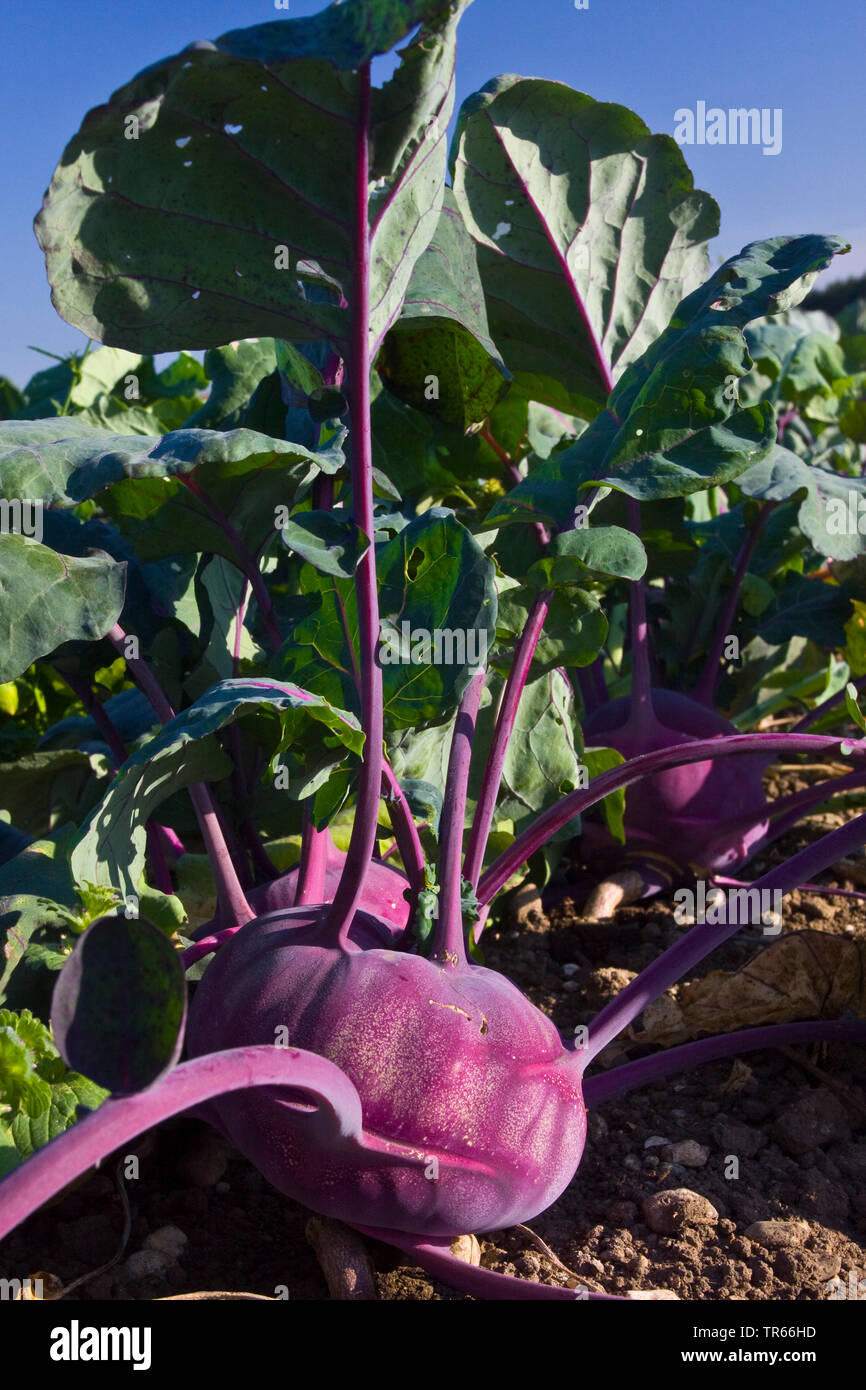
795,1120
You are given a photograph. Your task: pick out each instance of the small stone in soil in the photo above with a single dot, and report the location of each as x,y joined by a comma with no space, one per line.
668,1212
169,1241
146,1264
688,1153
777,1234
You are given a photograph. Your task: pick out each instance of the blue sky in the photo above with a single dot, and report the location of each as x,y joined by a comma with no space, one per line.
58,58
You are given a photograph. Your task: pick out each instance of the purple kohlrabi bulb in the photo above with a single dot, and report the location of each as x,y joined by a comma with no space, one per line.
457,1071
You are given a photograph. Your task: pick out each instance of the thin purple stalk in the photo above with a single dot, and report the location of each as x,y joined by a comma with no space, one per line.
158,864
82,691
172,843
641,714
405,830
363,837
597,1089
803,888
323,493
142,675
435,1256
264,869
448,940
206,944
517,677
246,561
539,832
703,938
704,691
230,894
314,862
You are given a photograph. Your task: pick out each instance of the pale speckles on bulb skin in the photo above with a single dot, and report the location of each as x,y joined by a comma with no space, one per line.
501,1112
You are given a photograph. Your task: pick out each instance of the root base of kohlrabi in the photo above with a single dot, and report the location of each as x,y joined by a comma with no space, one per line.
452,1063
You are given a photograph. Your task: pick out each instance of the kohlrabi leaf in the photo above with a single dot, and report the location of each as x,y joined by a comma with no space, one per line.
422,454
802,367
437,605
853,707
36,889
543,760
110,847
212,198
213,504
673,425
64,461
151,589
50,786
119,1005
219,588
78,382
832,512
48,599
852,325
589,553
574,631
612,808
235,372
589,232
39,1095
12,840
542,763
11,399
521,427
439,355
806,608
327,540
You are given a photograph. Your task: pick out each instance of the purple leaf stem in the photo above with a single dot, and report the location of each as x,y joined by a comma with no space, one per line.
704,691
537,834
405,831
448,942
517,677
597,1089
372,717
435,1256
120,1119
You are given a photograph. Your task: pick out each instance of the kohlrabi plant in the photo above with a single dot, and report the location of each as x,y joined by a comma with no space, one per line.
320,624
